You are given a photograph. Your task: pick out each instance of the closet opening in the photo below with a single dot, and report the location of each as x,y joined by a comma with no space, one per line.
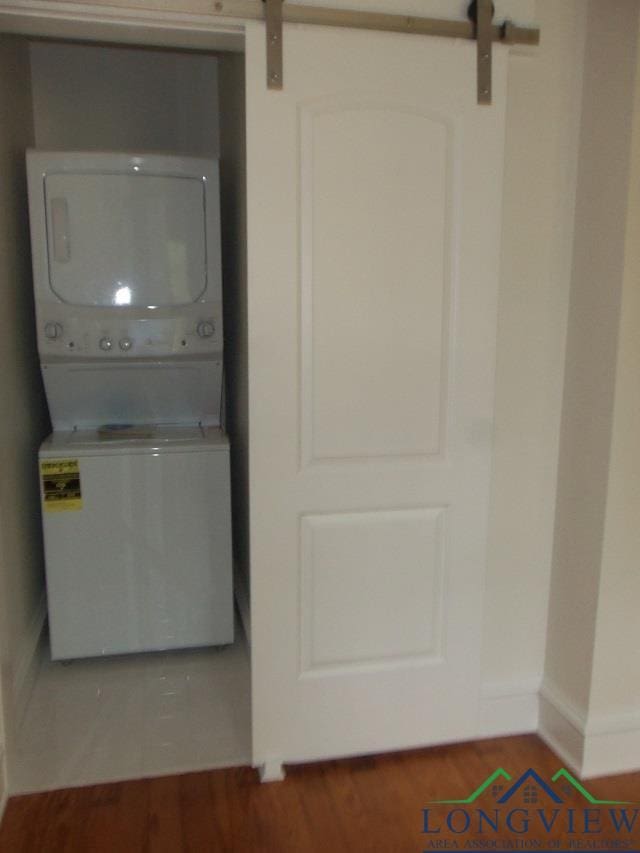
102,718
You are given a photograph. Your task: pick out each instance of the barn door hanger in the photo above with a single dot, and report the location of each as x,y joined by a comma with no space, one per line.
480,27
480,12
273,18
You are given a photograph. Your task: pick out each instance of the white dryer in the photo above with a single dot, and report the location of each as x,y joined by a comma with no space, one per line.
135,477
128,287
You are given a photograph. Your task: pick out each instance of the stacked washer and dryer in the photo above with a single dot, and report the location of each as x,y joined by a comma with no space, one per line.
135,476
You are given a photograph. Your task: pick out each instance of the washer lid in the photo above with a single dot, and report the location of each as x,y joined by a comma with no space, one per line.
86,395
119,433
153,438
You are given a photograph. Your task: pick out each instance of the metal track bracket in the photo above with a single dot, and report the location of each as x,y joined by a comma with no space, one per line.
481,13
273,17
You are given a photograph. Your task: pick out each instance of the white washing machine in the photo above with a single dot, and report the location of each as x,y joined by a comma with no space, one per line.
135,477
137,540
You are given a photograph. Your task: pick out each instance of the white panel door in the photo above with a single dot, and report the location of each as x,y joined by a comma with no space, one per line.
374,221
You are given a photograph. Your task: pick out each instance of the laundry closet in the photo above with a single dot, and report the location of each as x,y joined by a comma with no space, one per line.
124,186
360,263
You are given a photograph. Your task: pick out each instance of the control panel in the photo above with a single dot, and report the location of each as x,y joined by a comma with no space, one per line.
69,333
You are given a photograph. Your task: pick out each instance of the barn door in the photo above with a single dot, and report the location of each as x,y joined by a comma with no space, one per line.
374,189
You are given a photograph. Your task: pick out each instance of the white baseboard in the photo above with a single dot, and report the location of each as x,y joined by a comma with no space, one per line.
509,708
611,753
28,661
559,728
242,600
592,746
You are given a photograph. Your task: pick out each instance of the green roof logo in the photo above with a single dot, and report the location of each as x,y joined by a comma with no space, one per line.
530,777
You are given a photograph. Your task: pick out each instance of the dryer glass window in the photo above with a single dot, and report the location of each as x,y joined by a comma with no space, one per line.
126,239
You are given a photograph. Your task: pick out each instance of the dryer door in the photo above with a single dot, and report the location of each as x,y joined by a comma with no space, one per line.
126,239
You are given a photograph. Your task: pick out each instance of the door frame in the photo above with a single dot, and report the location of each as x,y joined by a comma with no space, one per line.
122,26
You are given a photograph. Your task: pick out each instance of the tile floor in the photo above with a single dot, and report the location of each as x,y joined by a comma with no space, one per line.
131,716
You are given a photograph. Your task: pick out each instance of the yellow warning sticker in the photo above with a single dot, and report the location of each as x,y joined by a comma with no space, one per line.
61,485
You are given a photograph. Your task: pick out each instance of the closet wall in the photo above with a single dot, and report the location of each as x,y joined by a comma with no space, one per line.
233,200
87,98
23,413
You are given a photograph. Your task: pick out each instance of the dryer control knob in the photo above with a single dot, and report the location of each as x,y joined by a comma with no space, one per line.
125,344
105,344
205,329
52,331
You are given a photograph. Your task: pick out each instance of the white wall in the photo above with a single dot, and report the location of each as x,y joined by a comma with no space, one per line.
543,112
23,418
591,349
617,624
613,728
590,695
88,97
613,740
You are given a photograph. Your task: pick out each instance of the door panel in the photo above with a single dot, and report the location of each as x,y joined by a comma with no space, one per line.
375,278
348,553
374,219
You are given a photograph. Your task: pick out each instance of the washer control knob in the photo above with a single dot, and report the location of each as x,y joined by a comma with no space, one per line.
125,344
105,344
205,329
52,331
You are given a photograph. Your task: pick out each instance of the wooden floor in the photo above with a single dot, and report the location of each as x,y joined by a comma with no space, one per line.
360,805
